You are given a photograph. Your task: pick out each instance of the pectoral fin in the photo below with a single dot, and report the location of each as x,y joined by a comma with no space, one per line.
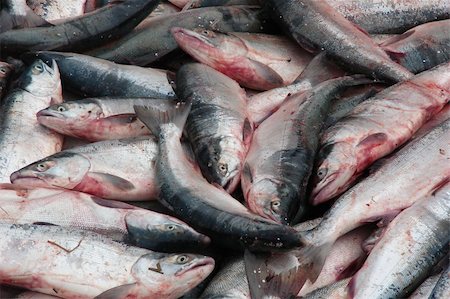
118,292
111,181
268,77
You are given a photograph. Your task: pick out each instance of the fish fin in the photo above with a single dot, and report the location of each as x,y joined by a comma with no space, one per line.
247,133
373,239
265,278
163,112
112,203
127,118
267,73
118,292
111,181
44,223
394,55
373,140
29,20
397,38
312,259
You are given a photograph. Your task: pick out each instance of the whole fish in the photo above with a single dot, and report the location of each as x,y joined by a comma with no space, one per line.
22,139
97,169
282,151
257,61
87,31
81,264
119,221
410,174
411,245
442,287
217,127
17,14
375,128
155,40
200,204
421,47
56,10
316,26
6,71
83,73
95,119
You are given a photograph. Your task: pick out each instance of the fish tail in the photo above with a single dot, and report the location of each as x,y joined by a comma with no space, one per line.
163,112
10,21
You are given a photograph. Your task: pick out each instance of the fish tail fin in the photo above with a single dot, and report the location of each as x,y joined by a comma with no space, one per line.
163,112
10,21
312,259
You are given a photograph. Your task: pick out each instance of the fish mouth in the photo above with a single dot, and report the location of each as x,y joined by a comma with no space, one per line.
185,34
325,191
48,113
204,262
26,180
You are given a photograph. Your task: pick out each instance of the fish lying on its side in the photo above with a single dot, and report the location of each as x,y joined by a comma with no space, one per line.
377,127
73,263
22,139
119,221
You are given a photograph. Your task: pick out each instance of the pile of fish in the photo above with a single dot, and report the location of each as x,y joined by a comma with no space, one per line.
241,149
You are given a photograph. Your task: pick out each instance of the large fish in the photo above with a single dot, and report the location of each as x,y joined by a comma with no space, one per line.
282,151
375,128
17,14
256,61
316,26
217,127
22,139
422,47
95,119
114,169
6,71
83,73
202,205
412,244
155,40
72,263
87,31
119,221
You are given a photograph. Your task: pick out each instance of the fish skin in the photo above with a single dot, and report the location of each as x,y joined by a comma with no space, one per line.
422,47
282,151
73,263
95,169
22,139
217,128
425,288
87,31
256,61
202,205
95,119
337,290
155,40
206,3
82,73
119,221
412,244
316,26
16,14
53,10
6,70
442,287
375,128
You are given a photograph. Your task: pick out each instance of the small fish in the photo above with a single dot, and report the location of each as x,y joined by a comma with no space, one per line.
73,263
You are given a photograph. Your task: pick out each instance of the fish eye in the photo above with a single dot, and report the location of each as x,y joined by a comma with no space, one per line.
274,205
38,67
321,173
223,168
2,70
61,108
41,167
170,227
182,259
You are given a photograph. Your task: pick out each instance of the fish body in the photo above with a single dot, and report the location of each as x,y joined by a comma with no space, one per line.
442,287
217,127
375,128
155,40
80,264
425,288
96,169
422,47
337,290
95,119
119,221
22,139
410,246
256,61
16,14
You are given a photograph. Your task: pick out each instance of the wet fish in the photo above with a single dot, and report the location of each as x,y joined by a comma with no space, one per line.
83,73
155,40
422,47
442,287
411,245
17,14
316,26
202,205
375,128
22,139
81,264
6,71
257,61
117,220
425,289
217,127
95,119
87,31
96,169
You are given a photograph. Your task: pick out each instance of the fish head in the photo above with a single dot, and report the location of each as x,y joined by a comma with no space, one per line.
221,161
336,166
42,80
207,46
69,113
161,232
272,199
176,272
63,170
